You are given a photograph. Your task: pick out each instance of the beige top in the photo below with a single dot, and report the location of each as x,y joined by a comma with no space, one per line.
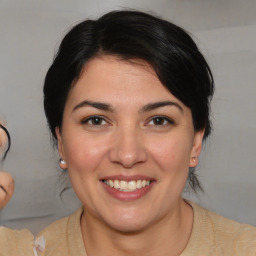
212,235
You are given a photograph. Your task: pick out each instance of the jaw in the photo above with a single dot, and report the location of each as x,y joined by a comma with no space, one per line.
126,212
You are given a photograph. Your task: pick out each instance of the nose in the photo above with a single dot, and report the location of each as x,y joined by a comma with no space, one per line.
128,148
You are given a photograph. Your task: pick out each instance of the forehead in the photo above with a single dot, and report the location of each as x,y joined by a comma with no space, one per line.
115,81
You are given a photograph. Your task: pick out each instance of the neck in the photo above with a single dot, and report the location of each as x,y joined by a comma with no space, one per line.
169,236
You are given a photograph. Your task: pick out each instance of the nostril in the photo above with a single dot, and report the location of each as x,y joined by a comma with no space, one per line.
128,148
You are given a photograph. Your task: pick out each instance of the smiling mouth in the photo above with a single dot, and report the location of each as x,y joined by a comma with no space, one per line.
127,186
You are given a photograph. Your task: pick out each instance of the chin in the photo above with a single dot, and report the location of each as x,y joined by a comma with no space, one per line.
128,227
128,222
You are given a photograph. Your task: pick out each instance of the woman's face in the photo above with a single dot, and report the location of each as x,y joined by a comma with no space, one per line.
128,144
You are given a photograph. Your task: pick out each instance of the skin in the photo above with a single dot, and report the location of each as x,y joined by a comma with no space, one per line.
129,139
6,188
6,179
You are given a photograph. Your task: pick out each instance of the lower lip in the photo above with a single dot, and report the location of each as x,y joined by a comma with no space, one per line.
127,196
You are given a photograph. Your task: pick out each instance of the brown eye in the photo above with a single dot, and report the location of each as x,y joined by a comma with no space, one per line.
160,120
95,120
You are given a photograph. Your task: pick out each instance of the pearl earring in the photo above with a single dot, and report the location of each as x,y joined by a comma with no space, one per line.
194,158
62,163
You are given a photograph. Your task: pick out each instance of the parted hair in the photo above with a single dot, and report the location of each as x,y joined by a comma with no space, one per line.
130,35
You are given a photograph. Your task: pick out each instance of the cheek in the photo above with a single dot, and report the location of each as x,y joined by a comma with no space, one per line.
84,154
84,158
172,154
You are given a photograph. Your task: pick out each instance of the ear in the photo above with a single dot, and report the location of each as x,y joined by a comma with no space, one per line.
196,149
62,164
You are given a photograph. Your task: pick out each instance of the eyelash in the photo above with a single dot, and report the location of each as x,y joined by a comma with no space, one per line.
91,119
166,120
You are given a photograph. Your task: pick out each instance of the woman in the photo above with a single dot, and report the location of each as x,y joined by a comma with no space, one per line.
127,100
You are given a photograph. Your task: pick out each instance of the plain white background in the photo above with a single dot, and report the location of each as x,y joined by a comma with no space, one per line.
30,32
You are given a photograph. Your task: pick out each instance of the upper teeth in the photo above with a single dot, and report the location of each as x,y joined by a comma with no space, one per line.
127,186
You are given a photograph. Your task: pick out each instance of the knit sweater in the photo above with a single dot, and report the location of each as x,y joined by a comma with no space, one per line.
212,235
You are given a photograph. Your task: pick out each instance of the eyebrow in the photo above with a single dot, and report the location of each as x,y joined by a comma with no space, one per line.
98,105
155,105
109,108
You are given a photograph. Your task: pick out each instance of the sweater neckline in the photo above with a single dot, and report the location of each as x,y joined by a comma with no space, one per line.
76,244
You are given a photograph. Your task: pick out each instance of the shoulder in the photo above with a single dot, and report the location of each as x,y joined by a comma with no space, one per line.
55,239
237,235
56,230
231,237
61,238
16,242
224,227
